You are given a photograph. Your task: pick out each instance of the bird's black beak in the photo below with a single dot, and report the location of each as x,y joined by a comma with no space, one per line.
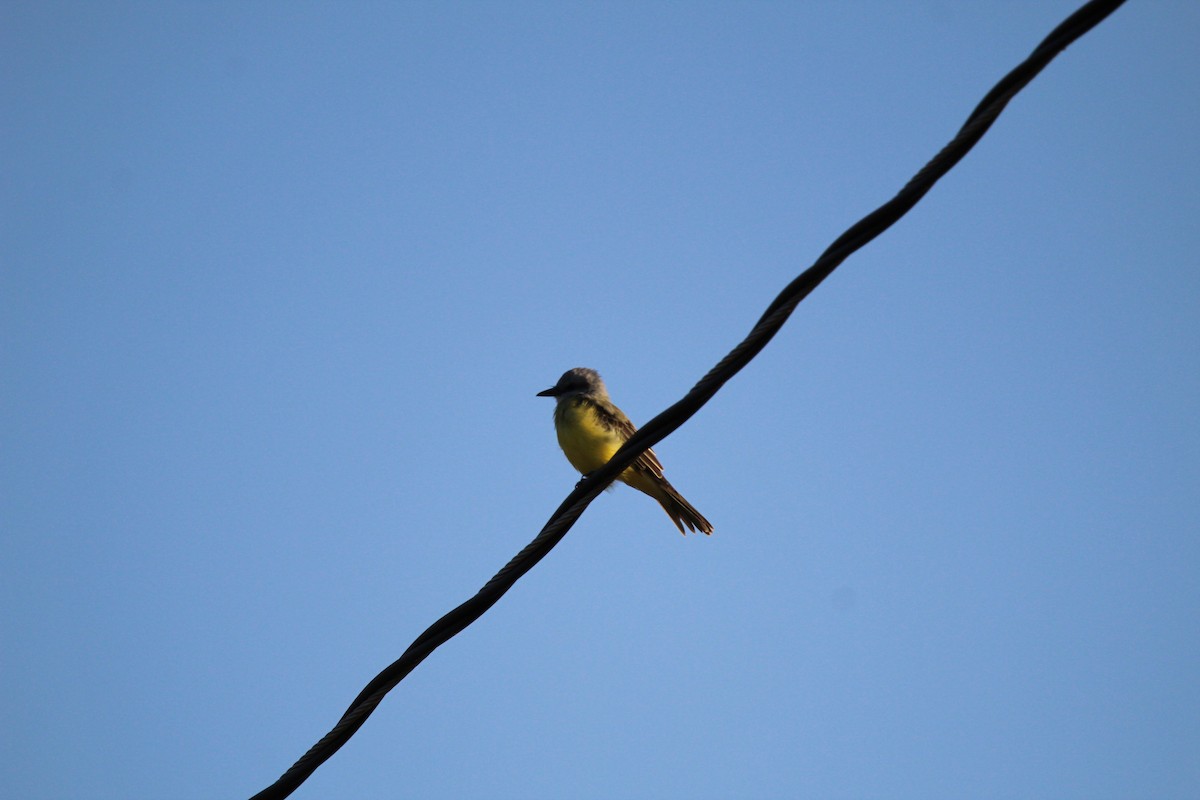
551,392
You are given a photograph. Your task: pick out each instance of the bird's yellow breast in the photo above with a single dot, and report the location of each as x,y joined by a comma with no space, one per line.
586,441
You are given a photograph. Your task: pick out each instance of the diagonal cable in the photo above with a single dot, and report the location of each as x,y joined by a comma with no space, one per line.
657,429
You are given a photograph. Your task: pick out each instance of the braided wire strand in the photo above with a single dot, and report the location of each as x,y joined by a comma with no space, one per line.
674,416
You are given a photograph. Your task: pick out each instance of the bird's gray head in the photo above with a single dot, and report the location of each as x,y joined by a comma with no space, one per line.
573,382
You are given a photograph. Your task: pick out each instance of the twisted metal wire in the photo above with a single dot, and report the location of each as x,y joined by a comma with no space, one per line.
657,429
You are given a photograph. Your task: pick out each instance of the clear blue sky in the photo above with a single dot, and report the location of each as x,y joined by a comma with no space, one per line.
280,281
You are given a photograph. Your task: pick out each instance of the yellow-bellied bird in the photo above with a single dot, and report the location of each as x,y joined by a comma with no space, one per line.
591,428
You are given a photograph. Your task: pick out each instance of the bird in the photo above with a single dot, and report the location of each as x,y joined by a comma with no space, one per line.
591,428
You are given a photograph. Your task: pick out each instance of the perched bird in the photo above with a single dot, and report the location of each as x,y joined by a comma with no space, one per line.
591,428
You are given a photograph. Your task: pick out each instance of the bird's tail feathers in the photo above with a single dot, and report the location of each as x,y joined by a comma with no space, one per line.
682,512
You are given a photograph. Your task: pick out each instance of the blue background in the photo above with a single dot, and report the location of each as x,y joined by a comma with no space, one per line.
280,281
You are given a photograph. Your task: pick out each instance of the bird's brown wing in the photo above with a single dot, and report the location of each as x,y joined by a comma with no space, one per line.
614,419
